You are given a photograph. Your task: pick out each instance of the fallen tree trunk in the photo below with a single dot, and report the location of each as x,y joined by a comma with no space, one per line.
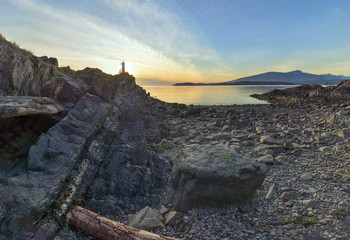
106,229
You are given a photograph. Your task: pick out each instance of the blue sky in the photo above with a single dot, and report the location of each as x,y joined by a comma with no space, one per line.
187,40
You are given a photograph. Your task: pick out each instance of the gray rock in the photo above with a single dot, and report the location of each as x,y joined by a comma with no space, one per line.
166,144
265,149
222,136
310,203
46,231
288,145
311,190
325,149
163,209
267,140
307,132
178,140
192,111
147,219
306,176
212,175
267,159
329,135
281,159
325,220
344,133
225,128
270,191
173,218
332,119
287,196
347,221
253,136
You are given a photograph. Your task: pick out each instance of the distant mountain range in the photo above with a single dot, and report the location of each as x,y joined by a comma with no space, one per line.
279,78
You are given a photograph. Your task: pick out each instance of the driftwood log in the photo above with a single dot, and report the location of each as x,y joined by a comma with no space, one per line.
106,229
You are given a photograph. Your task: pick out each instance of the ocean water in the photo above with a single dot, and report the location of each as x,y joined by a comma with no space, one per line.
211,95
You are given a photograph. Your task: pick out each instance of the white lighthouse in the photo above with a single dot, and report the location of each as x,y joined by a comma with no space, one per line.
123,67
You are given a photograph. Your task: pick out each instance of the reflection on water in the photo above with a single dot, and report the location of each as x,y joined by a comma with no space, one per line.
211,95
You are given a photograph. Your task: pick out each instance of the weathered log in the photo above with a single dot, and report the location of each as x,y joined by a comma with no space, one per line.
107,229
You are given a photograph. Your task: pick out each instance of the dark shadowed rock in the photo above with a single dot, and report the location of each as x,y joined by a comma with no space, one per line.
267,159
64,89
173,218
192,111
18,134
32,188
166,144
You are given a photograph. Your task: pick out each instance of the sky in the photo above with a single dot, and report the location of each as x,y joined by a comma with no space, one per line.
163,42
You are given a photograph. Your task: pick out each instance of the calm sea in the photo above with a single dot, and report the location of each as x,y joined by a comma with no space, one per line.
211,95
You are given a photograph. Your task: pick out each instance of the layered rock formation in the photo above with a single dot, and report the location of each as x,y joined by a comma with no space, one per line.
13,106
99,150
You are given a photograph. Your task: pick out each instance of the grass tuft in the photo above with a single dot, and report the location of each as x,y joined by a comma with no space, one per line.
304,221
14,45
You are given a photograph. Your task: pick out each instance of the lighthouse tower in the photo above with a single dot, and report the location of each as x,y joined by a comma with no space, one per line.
123,67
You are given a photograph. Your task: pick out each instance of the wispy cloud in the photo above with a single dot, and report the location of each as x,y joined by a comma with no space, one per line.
148,37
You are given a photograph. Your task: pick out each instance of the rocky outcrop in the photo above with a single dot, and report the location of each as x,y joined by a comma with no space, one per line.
31,187
12,106
308,93
98,149
207,175
21,73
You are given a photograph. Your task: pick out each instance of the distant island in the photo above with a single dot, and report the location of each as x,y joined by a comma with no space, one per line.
278,78
234,83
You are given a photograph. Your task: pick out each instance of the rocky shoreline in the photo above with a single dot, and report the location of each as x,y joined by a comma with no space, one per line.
278,171
305,194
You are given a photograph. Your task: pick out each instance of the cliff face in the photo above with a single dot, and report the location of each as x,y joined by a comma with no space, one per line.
21,73
105,136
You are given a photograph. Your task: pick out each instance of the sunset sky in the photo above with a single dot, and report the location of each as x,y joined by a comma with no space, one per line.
185,40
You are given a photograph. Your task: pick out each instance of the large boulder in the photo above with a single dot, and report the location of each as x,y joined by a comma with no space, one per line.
211,175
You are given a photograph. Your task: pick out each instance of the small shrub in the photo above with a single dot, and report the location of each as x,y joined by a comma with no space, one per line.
226,157
304,221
